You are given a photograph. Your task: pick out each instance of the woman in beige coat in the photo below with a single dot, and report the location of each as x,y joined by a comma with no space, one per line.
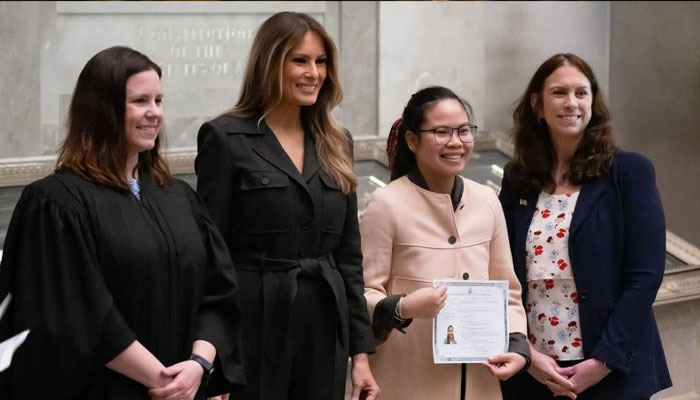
429,223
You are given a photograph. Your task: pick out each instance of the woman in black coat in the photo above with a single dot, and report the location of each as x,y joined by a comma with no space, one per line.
113,266
277,175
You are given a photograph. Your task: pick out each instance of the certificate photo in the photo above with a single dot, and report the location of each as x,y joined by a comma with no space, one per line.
473,324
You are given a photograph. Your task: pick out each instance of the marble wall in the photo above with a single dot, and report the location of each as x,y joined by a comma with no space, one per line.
655,91
359,47
201,47
22,28
484,51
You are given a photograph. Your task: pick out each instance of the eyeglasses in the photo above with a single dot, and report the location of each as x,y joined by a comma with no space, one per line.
443,134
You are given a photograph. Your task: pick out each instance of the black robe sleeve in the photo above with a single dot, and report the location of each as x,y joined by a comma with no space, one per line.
219,317
50,267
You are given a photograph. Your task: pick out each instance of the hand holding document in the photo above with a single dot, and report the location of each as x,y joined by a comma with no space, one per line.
473,325
8,347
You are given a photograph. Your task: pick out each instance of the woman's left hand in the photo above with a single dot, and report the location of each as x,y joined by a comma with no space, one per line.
364,387
585,374
187,376
503,366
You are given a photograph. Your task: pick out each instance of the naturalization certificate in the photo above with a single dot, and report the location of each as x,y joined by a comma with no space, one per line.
473,324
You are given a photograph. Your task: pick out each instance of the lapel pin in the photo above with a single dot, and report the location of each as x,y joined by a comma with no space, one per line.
523,202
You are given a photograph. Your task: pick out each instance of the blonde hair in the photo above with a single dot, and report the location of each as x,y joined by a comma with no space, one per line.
263,85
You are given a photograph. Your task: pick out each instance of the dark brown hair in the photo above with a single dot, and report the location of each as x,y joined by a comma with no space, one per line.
263,84
401,158
95,147
534,158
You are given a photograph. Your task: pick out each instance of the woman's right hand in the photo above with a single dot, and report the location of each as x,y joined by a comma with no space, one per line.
423,303
542,368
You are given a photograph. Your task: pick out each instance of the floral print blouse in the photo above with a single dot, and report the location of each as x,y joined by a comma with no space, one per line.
552,300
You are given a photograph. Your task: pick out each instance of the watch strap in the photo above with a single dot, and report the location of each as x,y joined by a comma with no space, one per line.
206,366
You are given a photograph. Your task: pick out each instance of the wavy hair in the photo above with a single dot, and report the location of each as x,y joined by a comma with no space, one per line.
263,86
534,157
95,147
401,158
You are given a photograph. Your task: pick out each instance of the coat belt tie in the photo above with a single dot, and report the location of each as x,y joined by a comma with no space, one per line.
277,305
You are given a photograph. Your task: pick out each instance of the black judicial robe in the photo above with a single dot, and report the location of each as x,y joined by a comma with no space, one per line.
91,269
284,228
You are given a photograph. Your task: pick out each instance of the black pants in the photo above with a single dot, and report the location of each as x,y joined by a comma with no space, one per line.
525,387
315,364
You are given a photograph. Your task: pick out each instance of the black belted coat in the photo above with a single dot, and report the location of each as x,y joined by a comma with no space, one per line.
280,224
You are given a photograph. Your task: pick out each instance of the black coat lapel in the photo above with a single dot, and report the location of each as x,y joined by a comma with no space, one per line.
268,147
311,163
525,211
523,217
590,191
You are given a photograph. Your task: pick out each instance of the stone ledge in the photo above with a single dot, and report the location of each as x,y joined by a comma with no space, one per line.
679,287
692,395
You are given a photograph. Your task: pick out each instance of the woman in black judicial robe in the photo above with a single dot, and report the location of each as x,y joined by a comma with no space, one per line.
114,267
277,175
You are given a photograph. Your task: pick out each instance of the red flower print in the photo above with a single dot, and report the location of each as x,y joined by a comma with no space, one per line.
554,321
561,233
574,297
532,338
548,283
550,342
550,240
576,342
572,324
537,233
556,357
562,215
546,213
534,286
538,250
562,264
565,349
540,317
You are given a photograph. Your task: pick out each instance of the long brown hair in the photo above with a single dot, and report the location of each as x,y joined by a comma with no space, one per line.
262,90
95,147
534,157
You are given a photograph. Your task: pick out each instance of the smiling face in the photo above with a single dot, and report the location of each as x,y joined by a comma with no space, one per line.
304,71
441,163
143,118
566,102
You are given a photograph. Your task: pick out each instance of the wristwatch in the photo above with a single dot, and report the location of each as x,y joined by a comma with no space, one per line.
206,366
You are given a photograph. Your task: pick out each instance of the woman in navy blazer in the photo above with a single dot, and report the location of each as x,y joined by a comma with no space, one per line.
614,240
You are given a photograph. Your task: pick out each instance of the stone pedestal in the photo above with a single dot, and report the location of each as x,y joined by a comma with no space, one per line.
677,310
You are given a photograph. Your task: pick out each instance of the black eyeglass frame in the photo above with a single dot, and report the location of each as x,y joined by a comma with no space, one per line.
472,133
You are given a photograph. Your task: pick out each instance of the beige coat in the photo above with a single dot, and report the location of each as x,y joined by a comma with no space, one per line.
405,231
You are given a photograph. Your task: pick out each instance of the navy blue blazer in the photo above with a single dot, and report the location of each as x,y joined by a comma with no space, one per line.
617,247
